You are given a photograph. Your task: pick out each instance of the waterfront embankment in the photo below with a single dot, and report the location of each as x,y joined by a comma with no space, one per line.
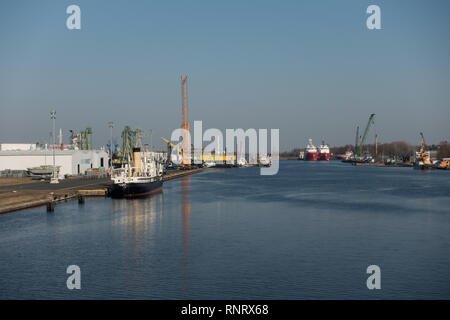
18,194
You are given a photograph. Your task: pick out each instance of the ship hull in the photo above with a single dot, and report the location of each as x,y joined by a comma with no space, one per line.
421,166
311,156
324,156
135,190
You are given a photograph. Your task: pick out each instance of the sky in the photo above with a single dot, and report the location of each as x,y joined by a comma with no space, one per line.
311,68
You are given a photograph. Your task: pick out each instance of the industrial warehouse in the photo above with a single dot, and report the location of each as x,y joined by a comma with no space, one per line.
69,162
39,160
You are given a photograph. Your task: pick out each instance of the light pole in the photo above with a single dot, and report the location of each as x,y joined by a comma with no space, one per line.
54,179
111,126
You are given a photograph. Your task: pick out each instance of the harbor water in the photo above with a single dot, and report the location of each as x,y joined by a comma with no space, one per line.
309,232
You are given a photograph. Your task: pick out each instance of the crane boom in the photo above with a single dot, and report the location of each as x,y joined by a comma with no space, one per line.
365,133
168,142
180,150
422,143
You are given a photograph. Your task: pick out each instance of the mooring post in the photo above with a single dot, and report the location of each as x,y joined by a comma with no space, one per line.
50,206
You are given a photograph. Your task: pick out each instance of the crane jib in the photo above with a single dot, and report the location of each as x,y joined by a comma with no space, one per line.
371,121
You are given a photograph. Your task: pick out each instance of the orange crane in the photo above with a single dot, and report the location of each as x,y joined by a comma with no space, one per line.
186,160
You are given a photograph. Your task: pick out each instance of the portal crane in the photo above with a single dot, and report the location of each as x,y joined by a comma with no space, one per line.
170,145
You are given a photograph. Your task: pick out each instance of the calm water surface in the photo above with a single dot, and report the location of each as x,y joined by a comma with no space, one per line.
308,232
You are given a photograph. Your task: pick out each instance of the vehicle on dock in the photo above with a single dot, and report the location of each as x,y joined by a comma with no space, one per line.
444,164
391,161
209,164
223,165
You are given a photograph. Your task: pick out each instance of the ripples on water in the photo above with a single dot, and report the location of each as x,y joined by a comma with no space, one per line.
308,232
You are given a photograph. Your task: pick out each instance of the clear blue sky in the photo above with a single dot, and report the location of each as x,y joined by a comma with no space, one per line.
310,68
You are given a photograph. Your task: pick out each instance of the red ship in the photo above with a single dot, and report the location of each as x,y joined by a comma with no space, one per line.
311,153
324,152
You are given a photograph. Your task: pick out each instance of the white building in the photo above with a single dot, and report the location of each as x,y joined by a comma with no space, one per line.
17,146
71,162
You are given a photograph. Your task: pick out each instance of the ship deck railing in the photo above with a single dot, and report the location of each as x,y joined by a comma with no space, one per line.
119,171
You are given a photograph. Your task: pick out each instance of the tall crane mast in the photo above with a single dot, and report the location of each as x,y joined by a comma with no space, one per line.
186,161
363,139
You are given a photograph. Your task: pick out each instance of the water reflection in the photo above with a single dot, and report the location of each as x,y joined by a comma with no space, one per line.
139,219
275,238
185,219
142,214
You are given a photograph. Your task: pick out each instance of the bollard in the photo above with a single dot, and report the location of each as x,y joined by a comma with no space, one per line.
50,206
80,199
